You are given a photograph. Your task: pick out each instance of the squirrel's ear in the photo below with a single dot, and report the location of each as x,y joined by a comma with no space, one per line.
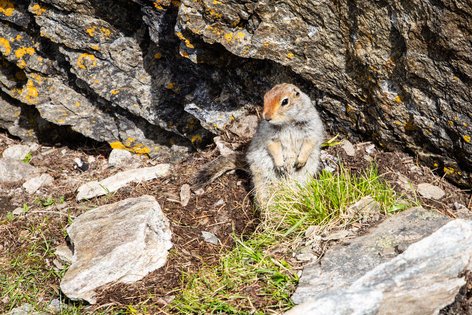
297,92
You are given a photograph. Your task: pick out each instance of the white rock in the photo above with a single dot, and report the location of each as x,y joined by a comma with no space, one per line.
113,183
32,185
119,158
223,147
422,280
16,152
64,253
210,238
18,211
348,147
430,191
184,194
245,127
14,170
116,243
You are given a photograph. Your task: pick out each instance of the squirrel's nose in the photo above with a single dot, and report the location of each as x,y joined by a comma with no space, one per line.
266,117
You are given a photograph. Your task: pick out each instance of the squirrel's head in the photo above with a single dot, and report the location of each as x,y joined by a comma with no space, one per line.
281,103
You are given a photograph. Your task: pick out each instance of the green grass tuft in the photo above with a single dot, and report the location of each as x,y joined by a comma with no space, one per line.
256,277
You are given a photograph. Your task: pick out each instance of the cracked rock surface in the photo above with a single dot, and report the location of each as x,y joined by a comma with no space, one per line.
145,75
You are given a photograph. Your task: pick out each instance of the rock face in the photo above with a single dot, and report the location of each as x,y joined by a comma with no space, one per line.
422,280
120,242
342,265
145,75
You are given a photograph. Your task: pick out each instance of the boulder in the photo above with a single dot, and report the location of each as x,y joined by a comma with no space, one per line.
116,243
121,179
343,264
422,280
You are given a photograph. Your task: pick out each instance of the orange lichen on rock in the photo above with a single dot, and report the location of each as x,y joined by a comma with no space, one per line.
86,61
22,51
466,138
5,47
138,148
36,9
6,7
186,41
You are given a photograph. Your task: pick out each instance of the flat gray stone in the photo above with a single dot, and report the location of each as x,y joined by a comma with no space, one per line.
210,238
342,265
33,184
422,280
14,170
16,152
117,243
430,191
113,183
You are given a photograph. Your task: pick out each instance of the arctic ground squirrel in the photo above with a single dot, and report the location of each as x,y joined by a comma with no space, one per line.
287,142
286,145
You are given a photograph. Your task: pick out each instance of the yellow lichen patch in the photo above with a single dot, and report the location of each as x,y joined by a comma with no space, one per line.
217,2
114,92
448,170
91,31
290,55
240,35
159,4
170,85
397,99
21,64
5,47
213,13
266,44
36,9
450,123
138,148
86,61
22,51
117,145
105,31
196,139
29,92
95,47
466,138
186,41
228,37
6,7
184,54
18,37
435,164
157,55
77,104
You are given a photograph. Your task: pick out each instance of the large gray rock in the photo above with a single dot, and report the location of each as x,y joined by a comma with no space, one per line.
145,75
14,170
120,242
422,280
345,263
113,183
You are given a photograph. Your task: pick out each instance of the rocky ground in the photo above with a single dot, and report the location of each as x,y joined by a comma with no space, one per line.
224,209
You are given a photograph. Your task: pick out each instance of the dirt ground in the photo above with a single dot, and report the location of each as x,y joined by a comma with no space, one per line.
225,208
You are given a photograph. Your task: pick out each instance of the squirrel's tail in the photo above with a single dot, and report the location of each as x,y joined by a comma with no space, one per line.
217,168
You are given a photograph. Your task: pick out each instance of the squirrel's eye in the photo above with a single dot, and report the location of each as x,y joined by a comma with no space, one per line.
284,101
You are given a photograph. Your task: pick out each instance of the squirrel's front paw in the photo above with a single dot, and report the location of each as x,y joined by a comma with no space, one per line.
281,170
299,164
